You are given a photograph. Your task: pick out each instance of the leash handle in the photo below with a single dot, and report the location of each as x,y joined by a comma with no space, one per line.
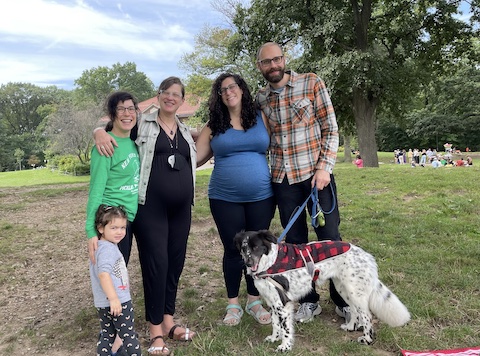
317,211
318,215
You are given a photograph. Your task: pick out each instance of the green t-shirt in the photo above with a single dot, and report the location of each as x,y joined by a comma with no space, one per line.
113,181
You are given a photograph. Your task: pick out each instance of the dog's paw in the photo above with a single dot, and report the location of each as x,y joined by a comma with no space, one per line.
347,327
284,347
272,338
365,340
351,327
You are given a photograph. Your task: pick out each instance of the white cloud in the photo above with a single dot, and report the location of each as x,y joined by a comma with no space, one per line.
49,42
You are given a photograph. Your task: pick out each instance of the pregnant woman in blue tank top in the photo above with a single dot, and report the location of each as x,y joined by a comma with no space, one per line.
240,190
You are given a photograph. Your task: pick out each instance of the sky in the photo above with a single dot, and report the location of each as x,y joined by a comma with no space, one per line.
47,42
52,42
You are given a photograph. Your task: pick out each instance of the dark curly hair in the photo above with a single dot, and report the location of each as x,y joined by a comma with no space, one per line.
219,117
106,214
112,102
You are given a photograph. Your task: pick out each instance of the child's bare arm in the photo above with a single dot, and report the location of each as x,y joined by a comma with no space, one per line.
109,289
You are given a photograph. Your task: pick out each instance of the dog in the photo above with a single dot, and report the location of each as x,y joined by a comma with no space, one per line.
283,273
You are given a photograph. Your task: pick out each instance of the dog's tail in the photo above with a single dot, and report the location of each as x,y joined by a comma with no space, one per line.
387,307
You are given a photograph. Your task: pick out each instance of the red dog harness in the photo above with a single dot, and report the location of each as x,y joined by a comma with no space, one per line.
292,256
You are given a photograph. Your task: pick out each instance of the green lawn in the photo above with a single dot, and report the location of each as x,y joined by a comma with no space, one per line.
38,177
421,224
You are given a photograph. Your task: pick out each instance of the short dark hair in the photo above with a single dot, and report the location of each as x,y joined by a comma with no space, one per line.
112,102
106,214
168,82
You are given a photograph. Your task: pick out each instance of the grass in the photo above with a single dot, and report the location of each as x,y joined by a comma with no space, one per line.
423,227
421,224
33,177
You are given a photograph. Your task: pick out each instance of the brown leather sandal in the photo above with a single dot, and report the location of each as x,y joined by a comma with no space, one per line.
185,336
163,349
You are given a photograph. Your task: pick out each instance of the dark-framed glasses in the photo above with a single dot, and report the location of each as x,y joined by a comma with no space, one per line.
266,62
231,87
122,109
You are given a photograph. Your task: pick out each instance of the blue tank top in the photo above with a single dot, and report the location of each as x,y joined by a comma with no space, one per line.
241,172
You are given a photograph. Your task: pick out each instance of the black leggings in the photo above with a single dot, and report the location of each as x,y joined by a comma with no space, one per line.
230,219
125,246
161,234
123,325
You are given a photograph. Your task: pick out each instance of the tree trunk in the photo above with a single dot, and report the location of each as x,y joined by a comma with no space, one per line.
364,112
348,148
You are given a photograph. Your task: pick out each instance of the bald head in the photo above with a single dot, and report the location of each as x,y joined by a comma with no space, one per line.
268,45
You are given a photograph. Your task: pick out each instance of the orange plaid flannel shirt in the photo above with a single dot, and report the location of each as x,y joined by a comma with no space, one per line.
304,130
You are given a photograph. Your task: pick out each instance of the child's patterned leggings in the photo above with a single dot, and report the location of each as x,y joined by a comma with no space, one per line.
123,325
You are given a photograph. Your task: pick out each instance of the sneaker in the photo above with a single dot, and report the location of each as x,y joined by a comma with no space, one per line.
307,311
344,313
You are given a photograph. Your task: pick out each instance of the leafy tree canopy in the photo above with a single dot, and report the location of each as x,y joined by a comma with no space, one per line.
94,85
370,53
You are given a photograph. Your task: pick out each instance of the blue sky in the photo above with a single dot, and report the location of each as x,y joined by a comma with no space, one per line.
46,42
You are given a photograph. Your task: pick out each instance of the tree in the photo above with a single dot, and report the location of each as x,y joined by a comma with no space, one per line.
209,59
370,52
19,103
451,113
23,108
96,84
70,130
19,155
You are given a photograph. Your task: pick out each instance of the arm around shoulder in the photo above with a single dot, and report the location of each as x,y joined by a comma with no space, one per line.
204,150
104,143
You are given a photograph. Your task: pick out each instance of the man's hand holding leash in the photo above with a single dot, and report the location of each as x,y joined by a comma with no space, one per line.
320,179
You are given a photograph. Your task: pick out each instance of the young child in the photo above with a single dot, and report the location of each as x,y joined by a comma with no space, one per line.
358,161
110,285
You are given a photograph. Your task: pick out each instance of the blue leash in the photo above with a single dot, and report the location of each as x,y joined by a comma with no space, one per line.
316,211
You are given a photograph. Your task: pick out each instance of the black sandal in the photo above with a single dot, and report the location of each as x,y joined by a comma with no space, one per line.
163,349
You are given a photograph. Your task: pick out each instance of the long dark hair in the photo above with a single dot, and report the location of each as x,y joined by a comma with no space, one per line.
112,102
218,112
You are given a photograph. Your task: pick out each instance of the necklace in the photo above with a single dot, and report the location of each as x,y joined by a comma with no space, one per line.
170,128
171,142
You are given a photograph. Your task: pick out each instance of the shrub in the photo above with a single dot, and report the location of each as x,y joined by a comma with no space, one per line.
69,164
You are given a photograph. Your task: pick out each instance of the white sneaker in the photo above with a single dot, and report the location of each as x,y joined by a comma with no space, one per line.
307,311
344,313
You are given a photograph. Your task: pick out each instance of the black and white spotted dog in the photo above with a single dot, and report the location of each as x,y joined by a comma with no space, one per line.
283,273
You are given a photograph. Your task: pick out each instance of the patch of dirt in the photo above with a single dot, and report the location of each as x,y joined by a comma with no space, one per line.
44,278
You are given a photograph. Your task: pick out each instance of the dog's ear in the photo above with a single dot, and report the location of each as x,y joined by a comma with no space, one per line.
238,240
268,236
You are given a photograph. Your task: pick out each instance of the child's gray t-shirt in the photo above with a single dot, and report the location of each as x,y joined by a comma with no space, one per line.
108,258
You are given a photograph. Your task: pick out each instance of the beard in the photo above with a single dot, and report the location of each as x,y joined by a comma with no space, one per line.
274,78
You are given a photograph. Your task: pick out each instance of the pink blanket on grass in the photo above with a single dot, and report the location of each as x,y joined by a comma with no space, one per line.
469,351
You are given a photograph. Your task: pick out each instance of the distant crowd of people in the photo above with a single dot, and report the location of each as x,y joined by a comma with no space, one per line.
431,157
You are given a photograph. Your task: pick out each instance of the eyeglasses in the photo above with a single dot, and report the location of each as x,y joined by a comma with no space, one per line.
231,87
266,62
168,93
121,109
